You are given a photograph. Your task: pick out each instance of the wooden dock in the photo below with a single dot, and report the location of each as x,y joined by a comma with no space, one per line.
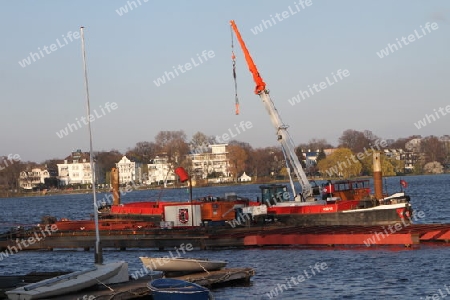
137,289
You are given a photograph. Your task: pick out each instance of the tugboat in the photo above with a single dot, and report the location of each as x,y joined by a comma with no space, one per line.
343,202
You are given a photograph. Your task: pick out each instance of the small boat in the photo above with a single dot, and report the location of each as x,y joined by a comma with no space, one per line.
65,284
174,289
179,264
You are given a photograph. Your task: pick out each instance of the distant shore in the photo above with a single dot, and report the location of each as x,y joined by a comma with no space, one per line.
265,180
5,195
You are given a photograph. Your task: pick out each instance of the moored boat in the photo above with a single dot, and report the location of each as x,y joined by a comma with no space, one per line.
175,289
182,265
66,284
344,202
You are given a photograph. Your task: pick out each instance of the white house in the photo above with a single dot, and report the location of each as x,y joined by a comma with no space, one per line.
30,179
160,170
76,169
129,171
311,158
214,160
245,178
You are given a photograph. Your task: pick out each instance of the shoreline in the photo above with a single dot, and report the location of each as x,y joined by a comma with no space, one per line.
265,180
8,195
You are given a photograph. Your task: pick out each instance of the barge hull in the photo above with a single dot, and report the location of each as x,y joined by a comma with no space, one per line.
362,217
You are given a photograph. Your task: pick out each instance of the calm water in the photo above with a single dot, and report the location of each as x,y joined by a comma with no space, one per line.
347,273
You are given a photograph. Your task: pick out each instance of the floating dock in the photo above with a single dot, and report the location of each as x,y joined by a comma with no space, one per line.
227,237
136,289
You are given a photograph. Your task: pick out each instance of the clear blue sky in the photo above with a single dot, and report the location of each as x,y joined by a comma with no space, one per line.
125,54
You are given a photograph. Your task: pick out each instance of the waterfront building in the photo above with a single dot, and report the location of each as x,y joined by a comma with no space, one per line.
28,180
76,169
129,171
212,160
160,171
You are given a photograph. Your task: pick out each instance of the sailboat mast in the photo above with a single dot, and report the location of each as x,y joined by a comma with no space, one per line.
98,254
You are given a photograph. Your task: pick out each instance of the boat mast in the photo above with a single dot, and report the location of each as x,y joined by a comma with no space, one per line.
98,252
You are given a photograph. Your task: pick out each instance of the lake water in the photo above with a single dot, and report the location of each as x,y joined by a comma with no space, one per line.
340,273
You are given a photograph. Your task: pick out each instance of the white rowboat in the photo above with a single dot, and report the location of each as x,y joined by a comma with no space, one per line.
179,264
66,284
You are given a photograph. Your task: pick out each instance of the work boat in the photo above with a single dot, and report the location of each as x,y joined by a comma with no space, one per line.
342,202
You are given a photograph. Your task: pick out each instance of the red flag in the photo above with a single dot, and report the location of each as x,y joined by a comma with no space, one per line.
403,183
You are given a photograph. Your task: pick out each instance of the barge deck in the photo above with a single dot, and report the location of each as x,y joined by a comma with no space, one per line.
215,238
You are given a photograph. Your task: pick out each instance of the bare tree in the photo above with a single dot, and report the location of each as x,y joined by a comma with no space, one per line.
314,145
400,143
434,149
10,173
357,141
105,161
173,144
200,142
143,152
264,161
237,157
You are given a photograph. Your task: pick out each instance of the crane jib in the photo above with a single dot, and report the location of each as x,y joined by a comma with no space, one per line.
283,136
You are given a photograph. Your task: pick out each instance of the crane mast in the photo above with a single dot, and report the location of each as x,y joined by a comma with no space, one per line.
283,136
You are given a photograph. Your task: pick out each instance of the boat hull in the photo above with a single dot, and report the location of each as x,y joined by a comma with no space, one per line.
184,265
66,284
174,289
374,216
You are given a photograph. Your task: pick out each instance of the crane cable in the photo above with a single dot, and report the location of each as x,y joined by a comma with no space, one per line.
233,58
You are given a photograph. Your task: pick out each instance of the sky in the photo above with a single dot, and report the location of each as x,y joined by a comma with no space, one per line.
299,47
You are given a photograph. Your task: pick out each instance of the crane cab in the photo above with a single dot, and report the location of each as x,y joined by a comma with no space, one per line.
271,194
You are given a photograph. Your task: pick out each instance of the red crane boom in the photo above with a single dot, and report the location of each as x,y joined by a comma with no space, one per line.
260,84
283,136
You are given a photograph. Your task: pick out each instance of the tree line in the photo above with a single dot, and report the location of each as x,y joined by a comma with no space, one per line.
264,162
